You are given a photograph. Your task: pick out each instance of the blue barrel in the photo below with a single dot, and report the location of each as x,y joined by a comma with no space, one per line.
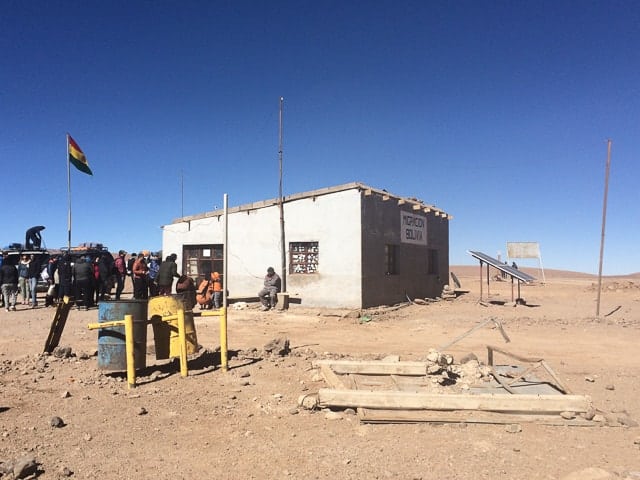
112,348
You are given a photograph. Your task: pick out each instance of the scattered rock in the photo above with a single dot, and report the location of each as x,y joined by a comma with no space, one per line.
589,414
245,374
309,402
568,415
333,415
87,437
65,394
142,411
278,346
589,379
25,467
293,411
56,422
62,352
65,472
610,387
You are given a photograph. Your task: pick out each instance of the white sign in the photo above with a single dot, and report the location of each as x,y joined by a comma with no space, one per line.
413,228
523,249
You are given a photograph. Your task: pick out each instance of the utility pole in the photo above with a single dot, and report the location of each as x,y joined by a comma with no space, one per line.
604,221
283,269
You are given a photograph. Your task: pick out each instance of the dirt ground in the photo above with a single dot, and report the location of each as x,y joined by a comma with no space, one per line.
246,423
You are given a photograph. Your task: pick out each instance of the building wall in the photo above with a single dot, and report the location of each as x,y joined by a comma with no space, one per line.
381,226
254,244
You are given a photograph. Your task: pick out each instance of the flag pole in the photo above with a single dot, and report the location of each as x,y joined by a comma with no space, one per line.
68,198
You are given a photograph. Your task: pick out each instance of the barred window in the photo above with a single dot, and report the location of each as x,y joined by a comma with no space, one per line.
390,256
303,257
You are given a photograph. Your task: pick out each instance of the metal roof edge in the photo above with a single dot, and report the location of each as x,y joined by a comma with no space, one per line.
309,194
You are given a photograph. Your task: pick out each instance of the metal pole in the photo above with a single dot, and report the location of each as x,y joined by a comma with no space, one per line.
130,351
604,221
68,199
283,252
481,280
224,362
181,194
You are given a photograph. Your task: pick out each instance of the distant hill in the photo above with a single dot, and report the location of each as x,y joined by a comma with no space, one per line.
474,270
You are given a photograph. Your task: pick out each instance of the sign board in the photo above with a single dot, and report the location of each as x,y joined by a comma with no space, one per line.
413,228
523,249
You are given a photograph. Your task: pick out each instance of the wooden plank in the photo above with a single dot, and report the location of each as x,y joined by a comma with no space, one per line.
331,378
57,325
486,402
368,415
374,367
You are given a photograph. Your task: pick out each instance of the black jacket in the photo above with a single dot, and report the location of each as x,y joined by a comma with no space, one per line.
8,275
82,271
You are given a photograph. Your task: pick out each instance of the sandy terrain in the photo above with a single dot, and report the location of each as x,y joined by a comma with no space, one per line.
245,423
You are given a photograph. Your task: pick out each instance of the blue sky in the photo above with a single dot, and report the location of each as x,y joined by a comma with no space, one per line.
497,112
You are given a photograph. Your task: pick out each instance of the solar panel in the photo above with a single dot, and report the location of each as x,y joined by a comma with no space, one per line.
514,272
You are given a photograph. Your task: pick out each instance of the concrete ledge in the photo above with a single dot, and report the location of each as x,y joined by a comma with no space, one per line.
255,299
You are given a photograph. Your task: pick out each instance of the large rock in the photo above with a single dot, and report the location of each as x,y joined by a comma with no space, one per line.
278,346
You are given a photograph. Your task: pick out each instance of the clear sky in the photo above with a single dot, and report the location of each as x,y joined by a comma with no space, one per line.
497,112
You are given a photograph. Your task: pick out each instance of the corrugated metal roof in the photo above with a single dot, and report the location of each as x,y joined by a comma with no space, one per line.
417,204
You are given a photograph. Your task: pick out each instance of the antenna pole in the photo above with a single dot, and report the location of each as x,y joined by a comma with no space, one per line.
283,269
181,193
604,221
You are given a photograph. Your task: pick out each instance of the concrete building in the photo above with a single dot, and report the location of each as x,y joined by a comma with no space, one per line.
347,246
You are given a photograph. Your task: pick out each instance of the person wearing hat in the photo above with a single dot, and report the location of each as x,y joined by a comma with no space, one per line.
269,293
120,268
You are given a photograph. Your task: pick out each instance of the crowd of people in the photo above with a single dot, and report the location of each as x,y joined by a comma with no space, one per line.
88,280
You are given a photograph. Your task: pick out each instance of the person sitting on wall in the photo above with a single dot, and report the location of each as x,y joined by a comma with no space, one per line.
204,294
269,294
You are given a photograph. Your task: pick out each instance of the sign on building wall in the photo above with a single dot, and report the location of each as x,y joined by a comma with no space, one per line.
413,228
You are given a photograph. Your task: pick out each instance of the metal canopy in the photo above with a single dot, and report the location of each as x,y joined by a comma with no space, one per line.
514,272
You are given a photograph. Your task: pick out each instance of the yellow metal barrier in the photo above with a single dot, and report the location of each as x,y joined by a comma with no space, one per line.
222,313
129,342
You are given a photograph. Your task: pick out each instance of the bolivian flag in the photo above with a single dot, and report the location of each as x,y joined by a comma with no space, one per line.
77,158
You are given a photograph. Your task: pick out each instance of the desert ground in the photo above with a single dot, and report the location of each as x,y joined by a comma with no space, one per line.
246,422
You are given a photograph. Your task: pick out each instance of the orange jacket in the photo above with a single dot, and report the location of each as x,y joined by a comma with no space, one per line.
216,283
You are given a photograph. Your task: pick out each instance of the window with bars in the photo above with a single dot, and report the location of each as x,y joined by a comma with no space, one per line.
390,256
201,260
303,257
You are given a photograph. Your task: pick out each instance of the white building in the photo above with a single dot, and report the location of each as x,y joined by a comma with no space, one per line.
347,246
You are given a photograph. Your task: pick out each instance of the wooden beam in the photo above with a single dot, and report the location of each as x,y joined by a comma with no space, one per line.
427,209
424,401
417,207
385,198
331,378
368,192
368,415
401,201
373,367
